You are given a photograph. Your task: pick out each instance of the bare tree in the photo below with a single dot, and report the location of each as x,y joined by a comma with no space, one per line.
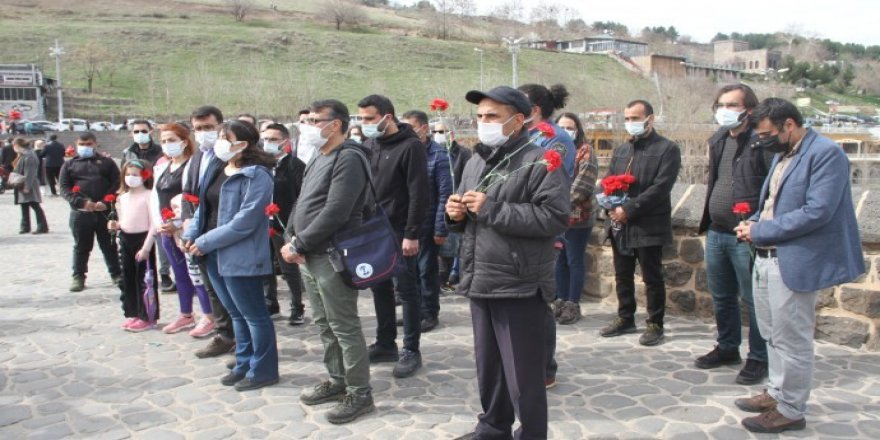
92,57
240,8
342,12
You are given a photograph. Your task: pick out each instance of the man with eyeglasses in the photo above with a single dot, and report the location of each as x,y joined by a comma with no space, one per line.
449,270
288,182
736,173
144,148
400,174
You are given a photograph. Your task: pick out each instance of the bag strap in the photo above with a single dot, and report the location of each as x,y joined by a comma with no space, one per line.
365,162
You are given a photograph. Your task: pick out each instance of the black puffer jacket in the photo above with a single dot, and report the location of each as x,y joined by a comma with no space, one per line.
655,165
750,167
507,249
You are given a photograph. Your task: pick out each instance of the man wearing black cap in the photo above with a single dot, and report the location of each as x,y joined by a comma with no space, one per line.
509,222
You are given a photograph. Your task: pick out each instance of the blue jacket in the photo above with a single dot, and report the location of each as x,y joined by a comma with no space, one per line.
814,224
440,182
241,238
563,144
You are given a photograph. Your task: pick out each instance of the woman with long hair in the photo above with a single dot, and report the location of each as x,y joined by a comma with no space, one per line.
27,193
230,230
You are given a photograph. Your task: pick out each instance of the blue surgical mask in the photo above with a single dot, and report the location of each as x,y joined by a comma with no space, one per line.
85,152
635,128
142,138
728,119
371,131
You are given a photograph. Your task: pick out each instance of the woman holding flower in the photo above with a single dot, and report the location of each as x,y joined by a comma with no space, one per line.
229,230
178,144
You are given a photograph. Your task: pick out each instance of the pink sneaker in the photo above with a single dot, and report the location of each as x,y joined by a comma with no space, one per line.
179,323
140,325
205,327
128,322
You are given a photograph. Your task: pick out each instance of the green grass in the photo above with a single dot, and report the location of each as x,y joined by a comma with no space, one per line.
273,65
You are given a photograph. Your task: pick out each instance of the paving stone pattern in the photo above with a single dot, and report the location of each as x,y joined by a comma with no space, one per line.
68,371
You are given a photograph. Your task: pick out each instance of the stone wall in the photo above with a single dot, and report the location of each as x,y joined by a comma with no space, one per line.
848,314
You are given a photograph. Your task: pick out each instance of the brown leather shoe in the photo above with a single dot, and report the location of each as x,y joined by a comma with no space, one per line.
756,404
216,347
773,422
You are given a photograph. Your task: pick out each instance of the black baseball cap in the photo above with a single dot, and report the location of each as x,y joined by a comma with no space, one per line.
504,95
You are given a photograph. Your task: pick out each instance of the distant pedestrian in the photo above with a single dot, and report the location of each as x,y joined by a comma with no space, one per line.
28,194
53,156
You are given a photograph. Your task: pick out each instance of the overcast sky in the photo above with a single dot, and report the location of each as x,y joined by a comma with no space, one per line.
850,21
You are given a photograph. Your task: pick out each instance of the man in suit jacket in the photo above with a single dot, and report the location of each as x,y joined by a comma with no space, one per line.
807,239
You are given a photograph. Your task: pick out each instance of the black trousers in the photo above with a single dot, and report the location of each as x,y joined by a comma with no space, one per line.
650,260
52,177
38,214
133,272
291,275
509,344
86,226
386,312
222,321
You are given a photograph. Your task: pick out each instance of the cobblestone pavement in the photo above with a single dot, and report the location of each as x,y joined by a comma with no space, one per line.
67,370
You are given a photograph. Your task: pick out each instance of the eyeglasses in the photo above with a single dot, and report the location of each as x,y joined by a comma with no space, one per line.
313,121
140,131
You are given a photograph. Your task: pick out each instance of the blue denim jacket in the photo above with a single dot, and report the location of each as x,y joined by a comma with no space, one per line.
440,182
241,238
563,143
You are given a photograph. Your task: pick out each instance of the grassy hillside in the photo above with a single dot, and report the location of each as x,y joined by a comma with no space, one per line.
171,56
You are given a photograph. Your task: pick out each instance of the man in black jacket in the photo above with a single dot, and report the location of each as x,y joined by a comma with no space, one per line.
509,226
736,173
53,155
400,174
288,182
646,220
85,181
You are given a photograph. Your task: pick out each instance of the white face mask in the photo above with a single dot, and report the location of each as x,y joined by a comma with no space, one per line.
491,134
142,138
571,133
271,148
357,138
134,181
310,137
173,149
206,139
223,150
728,119
636,128
85,152
371,131
440,138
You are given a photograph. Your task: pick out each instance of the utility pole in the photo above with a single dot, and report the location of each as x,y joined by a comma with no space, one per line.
56,53
476,49
513,48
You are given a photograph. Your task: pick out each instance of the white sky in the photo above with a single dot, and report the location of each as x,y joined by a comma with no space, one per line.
849,21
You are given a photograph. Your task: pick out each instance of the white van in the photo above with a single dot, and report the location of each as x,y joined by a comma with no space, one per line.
72,124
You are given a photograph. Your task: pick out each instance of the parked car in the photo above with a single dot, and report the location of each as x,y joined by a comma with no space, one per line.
103,126
72,124
29,127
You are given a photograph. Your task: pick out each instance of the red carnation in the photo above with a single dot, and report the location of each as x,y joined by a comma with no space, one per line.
110,198
546,130
628,179
553,160
167,214
146,175
439,104
272,232
272,209
742,208
76,189
191,198
69,151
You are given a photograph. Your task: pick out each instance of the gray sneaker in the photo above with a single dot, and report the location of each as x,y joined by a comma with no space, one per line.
77,283
570,313
323,393
653,335
409,362
351,407
618,327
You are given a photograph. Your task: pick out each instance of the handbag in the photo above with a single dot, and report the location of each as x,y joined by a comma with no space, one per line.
16,180
368,254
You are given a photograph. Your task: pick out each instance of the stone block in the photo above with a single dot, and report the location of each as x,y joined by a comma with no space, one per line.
862,301
705,306
670,251
691,250
701,281
597,287
677,274
841,330
685,300
826,299
869,227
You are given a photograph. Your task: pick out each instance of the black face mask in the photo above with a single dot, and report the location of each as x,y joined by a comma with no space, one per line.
773,144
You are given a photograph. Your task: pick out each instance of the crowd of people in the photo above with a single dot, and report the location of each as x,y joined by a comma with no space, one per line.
226,205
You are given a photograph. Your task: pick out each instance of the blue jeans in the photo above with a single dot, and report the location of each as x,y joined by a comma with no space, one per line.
728,265
429,282
571,268
256,353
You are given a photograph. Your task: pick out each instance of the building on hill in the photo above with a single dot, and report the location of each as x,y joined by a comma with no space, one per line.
736,54
23,88
673,66
603,43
